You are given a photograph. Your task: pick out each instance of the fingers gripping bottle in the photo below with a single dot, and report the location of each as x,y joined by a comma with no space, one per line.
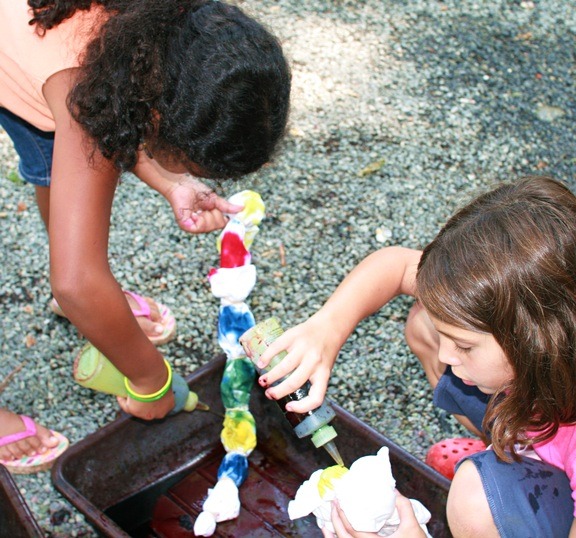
316,422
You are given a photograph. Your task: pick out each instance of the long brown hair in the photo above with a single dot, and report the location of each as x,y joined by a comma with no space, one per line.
506,265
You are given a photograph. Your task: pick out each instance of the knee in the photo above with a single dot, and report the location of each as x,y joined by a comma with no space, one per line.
467,509
415,338
422,340
413,331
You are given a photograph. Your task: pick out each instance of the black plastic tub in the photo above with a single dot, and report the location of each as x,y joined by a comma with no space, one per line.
16,519
139,479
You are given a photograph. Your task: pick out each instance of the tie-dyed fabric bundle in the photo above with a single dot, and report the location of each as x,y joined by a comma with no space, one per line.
232,282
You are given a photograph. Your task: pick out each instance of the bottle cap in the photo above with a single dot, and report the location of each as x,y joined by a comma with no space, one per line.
323,435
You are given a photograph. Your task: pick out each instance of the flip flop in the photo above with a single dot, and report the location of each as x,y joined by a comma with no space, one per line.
168,321
444,455
37,462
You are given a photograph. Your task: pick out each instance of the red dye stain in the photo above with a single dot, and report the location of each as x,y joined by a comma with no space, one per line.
233,253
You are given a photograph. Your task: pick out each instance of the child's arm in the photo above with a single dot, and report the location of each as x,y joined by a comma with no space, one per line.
313,345
196,207
81,194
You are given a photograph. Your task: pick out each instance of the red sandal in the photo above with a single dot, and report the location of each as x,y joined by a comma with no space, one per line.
444,455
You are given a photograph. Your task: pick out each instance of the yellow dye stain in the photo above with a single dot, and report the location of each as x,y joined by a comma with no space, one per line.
327,477
251,216
238,435
253,211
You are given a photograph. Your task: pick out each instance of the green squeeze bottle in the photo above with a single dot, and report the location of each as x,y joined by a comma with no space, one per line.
94,371
316,422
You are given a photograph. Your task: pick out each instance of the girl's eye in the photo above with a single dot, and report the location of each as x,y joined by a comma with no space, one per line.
462,349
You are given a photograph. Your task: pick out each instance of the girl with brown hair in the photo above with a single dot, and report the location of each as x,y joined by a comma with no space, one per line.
494,326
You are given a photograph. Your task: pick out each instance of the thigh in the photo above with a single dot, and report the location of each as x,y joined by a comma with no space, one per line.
529,498
34,148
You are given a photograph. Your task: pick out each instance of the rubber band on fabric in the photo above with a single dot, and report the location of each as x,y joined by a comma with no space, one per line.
155,396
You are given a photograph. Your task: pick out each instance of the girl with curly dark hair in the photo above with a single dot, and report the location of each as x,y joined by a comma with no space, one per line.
494,327
170,90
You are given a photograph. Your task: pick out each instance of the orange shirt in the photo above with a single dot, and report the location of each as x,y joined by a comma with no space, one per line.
27,60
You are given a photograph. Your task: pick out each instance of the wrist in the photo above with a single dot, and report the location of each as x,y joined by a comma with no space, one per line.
147,393
329,320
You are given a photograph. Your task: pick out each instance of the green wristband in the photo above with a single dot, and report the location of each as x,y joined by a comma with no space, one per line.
155,396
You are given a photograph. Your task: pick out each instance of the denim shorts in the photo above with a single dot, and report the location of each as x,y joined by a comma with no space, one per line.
529,498
459,399
34,147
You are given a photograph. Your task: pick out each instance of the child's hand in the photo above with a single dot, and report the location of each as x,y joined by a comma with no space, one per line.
197,208
408,528
342,526
148,411
311,355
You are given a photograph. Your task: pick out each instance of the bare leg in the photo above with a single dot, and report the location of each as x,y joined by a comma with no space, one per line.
43,202
468,510
153,327
422,339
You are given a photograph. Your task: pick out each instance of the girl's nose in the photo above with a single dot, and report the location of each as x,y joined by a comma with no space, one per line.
446,354
449,359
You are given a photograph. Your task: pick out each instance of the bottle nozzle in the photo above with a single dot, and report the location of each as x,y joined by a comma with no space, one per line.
324,437
331,448
192,402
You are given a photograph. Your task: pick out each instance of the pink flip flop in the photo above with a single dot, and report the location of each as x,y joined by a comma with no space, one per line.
168,321
36,462
444,455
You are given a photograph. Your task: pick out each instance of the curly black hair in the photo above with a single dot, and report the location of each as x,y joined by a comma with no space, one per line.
198,79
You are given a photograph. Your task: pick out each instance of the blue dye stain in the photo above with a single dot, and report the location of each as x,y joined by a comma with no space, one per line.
186,523
534,504
235,467
233,321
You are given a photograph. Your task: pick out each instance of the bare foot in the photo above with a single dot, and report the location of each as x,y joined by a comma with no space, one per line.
10,424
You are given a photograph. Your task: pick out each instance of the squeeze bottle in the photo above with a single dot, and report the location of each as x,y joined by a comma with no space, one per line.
315,422
94,371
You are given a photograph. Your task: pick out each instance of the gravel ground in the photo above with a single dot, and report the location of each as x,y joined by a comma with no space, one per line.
401,111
